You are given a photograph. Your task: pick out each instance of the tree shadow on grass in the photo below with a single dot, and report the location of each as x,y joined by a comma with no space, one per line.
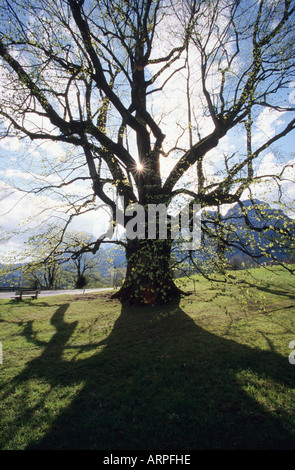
160,383
270,290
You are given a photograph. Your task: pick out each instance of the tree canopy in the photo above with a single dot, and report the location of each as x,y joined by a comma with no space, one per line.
142,95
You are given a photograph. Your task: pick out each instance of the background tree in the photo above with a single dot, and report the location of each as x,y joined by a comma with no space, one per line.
84,264
48,275
102,78
41,266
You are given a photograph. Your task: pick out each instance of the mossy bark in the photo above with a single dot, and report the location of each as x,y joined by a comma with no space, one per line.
149,279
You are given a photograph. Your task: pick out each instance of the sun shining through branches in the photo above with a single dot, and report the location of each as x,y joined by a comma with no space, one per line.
139,167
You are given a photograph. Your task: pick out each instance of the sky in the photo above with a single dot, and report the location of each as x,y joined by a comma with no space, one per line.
16,208
23,163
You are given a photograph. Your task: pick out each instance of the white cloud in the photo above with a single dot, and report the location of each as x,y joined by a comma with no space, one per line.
17,206
12,144
267,124
14,173
278,193
24,214
269,165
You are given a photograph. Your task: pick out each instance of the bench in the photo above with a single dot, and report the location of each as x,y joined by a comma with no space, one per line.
26,293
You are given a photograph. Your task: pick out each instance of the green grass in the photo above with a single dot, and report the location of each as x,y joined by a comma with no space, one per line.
212,372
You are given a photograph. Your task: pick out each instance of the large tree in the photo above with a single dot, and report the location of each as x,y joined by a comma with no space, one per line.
145,82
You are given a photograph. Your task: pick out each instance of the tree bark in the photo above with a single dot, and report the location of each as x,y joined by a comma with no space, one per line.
148,279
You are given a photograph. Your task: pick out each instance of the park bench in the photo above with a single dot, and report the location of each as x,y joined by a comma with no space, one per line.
26,293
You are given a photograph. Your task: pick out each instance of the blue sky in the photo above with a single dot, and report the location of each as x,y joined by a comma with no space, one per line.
27,165
17,208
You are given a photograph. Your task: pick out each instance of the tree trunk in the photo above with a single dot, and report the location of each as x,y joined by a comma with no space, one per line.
148,277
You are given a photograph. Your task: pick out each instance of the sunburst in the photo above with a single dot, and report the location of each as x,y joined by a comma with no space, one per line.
139,167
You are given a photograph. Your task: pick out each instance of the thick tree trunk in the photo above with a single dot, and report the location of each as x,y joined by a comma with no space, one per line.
148,278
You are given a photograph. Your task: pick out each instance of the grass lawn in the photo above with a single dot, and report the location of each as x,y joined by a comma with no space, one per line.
212,372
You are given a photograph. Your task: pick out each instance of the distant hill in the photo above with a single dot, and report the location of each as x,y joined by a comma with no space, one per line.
11,278
252,231
255,233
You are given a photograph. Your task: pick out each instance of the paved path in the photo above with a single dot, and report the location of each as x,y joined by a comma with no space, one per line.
47,293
